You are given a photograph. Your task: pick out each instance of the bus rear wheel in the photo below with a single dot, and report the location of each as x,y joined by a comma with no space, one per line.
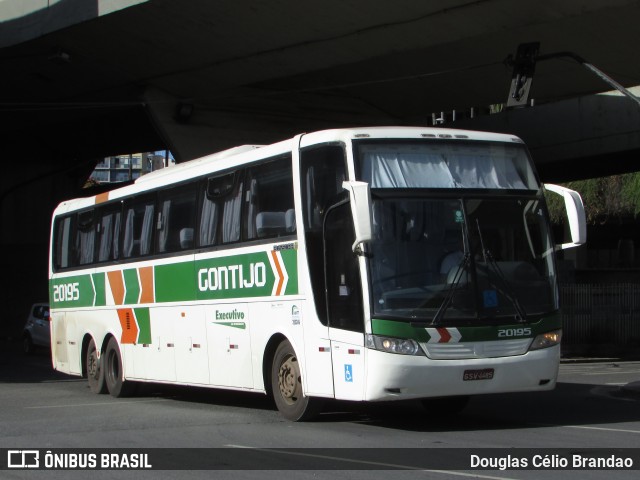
286,386
113,372
95,372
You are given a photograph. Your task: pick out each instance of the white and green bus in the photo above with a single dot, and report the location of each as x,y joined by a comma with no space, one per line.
363,264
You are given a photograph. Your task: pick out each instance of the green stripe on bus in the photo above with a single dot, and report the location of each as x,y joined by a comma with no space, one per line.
75,291
249,275
144,325
100,292
258,274
237,276
240,325
290,259
175,282
398,329
131,285
418,331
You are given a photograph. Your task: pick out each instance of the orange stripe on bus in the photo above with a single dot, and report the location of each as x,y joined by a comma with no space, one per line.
102,197
146,281
274,254
129,325
117,286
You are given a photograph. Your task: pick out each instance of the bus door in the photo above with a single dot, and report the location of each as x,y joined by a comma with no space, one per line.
334,274
344,303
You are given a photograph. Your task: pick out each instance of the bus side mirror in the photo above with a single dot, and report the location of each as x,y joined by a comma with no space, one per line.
360,196
575,213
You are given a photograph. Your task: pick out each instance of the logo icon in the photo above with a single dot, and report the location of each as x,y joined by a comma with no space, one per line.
23,459
348,373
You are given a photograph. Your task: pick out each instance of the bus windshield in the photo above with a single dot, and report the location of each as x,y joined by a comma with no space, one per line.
441,164
475,249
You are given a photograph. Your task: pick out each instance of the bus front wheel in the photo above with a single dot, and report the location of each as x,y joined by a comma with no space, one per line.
286,385
113,372
95,372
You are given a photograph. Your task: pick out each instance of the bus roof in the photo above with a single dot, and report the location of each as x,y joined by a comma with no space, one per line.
249,153
404,132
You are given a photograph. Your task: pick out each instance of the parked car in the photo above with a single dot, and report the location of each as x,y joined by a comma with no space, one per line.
37,331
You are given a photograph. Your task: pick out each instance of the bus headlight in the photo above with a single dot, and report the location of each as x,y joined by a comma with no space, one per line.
546,340
402,346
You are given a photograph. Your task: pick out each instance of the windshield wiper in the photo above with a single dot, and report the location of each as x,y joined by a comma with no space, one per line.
462,267
506,288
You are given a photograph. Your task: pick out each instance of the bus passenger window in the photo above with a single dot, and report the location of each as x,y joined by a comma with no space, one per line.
176,220
231,216
209,216
220,212
85,238
63,250
138,229
109,231
269,200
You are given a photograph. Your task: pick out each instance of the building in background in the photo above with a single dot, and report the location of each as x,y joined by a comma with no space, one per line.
123,168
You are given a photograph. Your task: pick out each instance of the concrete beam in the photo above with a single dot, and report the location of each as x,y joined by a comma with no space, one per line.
23,20
603,127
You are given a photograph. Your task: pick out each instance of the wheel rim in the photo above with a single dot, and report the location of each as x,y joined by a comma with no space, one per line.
289,380
93,369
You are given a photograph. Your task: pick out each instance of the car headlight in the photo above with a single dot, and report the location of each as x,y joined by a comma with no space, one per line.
402,346
546,340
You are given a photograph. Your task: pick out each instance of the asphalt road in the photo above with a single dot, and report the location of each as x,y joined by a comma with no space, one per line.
595,405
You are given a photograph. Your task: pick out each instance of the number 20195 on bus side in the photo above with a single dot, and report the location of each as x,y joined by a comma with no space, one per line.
66,292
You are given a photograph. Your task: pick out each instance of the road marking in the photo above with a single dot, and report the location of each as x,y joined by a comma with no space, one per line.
602,428
96,404
377,464
72,380
627,372
599,371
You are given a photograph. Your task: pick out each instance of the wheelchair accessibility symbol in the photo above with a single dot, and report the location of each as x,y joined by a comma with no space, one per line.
348,373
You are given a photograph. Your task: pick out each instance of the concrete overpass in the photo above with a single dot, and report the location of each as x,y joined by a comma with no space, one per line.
577,138
87,78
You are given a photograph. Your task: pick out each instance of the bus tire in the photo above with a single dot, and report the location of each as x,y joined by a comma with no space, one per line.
286,386
114,373
95,372
446,405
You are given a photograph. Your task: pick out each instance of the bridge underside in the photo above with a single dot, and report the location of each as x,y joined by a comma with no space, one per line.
198,76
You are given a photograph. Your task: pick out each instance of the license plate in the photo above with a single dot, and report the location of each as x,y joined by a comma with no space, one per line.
484,374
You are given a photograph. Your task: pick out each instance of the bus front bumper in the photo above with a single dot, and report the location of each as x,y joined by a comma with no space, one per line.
401,377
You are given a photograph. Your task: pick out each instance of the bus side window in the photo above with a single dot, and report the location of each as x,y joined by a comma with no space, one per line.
220,210
138,227
63,250
108,234
269,200
176,219
85,238
209,218
231,215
